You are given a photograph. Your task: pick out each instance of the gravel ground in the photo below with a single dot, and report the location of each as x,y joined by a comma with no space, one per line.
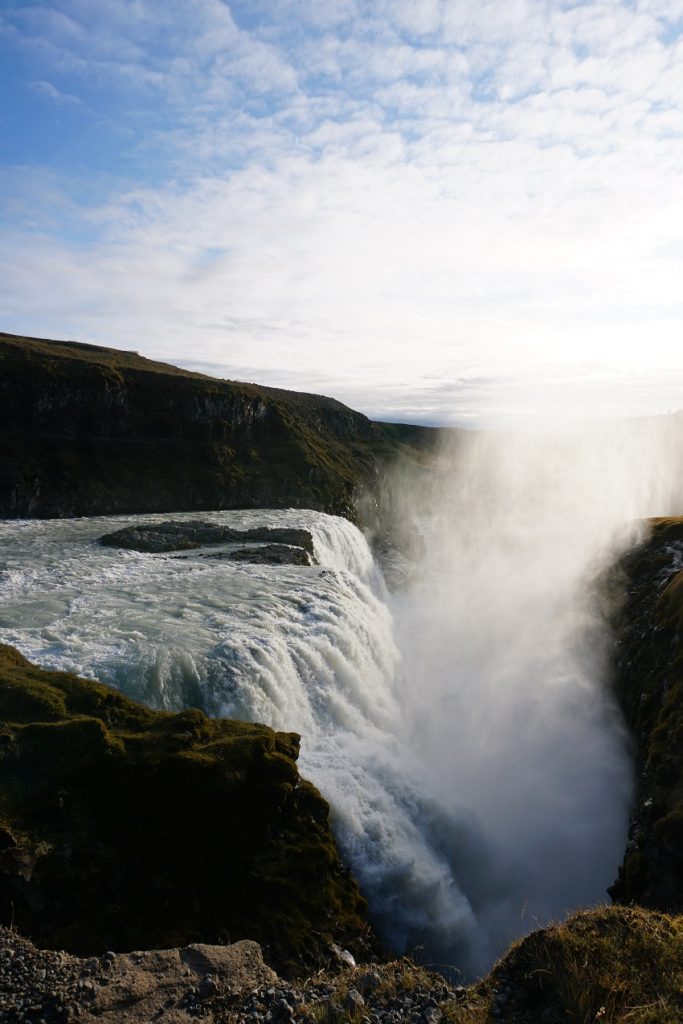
173,987
41,986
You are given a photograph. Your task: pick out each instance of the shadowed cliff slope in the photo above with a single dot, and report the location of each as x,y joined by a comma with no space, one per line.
86,430
649,684
124,828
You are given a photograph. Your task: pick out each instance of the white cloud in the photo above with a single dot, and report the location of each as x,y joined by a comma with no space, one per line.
388,192
50,92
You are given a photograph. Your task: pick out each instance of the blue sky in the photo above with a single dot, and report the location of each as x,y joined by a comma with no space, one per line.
444,211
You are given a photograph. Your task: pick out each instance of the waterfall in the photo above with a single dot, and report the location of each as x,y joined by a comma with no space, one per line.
462,729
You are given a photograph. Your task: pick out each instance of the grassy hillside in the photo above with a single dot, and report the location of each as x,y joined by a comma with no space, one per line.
612,965
86,430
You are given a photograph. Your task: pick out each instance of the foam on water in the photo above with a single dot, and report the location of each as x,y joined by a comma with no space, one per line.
305,649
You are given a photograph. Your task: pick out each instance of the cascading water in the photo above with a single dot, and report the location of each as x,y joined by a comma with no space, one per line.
461,728
305,649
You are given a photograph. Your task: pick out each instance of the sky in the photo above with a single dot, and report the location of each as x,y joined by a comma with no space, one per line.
438,211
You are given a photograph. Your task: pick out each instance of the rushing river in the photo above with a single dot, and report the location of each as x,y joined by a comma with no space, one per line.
305,649
461,729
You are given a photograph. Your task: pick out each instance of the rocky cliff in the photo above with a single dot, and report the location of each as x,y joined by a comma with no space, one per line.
123,828
86,430
649,683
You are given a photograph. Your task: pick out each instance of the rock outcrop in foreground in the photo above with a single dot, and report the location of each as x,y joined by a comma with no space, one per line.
173,986
610,965
649,684
86,430
124,828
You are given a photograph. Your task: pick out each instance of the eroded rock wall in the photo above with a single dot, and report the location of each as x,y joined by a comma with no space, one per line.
92,431
124,828
649,683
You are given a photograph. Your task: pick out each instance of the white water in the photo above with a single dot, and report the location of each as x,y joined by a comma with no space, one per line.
305,649
461,730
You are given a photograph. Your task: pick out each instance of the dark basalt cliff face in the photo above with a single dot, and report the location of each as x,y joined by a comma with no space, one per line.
124,828
649,683
86,430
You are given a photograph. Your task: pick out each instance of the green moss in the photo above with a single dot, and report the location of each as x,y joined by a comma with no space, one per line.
156,829
54,746
30,700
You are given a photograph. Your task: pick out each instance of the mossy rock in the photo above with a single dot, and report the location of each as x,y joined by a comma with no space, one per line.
125,828
612,964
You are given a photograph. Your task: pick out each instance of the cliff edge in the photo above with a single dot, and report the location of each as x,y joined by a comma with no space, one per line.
87,430
649,686
124,828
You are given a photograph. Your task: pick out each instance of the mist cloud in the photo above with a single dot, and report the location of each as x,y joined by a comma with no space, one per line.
507,659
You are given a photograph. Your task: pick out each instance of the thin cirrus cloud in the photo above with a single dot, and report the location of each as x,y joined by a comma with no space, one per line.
447,211
51,92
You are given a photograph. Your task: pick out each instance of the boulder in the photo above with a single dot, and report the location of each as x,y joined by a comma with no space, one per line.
186,536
